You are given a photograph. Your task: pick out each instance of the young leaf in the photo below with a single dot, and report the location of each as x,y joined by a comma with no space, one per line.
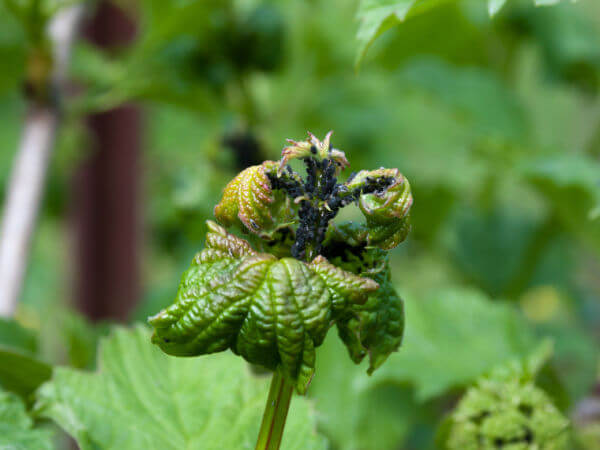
249,200
273,312
375,328
142,399
16,427
386,213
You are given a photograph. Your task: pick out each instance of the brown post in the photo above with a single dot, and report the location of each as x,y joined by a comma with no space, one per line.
106,194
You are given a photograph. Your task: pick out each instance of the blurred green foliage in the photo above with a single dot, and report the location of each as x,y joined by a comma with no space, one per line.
495,122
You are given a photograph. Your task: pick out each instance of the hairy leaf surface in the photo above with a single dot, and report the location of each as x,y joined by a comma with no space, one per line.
248,199
273,312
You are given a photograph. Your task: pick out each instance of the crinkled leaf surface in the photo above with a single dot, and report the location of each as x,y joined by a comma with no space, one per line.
386,214
141,398
249,199
378,16
16,427
375,328
273,312
439,350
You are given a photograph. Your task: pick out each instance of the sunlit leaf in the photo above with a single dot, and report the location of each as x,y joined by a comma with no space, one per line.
378,16
16,427
143,399
249,200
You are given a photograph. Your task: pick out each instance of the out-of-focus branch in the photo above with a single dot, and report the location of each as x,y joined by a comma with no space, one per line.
26,183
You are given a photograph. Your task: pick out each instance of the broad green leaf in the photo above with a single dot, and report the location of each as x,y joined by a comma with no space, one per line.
453,337
141,398
21,372
378,16
13,334
490,108
353,414
570,184
16,427
273,312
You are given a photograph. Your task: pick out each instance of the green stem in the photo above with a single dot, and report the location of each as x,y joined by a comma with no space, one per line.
278,403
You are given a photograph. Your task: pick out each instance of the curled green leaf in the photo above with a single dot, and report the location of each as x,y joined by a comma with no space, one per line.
375,328
386,210
273,312
249,200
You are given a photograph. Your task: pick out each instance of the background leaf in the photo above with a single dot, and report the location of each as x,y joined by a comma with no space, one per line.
13,334
143,399
21,372
570,184
452,337
16,427
378,16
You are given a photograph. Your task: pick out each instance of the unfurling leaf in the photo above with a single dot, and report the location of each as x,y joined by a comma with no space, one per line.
376,327
273,312
249,199
315,148
386,210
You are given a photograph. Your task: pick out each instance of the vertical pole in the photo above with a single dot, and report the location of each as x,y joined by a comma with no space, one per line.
106,194
26,184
